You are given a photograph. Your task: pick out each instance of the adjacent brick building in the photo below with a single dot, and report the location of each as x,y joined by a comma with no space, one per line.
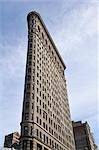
83,136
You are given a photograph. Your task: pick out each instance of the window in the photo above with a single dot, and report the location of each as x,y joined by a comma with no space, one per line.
34,64
37,109
31,130
25,130
24,147
52,131
40,77
37,119
32,117
30,56
33,70
37,61
45,148
40,134
31,144
37,74
37,132
28,86
27,105
33,78
32,21
40,102
44,114
33,86
44,137
42,35
43,124
26,116
46,42
45,107
37,99
40,121
47,139
50,104
49,47
37,82
29,70
55,145
30,45
49,130
28,95
43,104
38,28
46,127
49,120
50,142
40,112
37,67
39,147
28,77
33,95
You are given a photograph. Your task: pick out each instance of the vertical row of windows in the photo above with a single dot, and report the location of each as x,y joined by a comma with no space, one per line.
26,143
44,84
48,140
30,71
49,81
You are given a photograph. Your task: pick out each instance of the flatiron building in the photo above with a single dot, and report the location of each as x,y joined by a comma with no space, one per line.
46,122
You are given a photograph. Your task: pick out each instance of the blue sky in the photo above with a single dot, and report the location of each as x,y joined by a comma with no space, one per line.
73,27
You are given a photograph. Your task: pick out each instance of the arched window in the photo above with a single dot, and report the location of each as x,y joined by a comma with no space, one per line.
38,28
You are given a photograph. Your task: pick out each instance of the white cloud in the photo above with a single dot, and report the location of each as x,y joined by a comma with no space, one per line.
76,27
77,42
12,58
12,73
